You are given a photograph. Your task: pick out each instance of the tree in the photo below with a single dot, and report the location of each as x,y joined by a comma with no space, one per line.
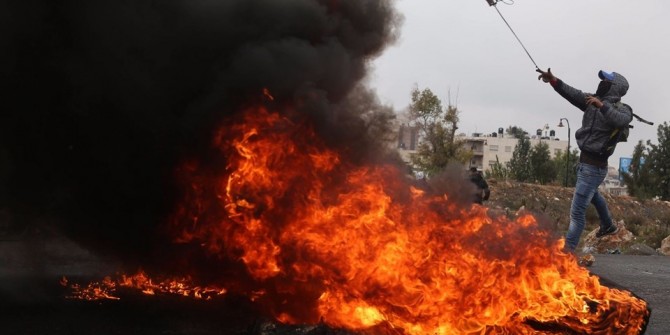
564,163
638,179
437,127
542,169
498,171
519,166
658,162
531,163
516,132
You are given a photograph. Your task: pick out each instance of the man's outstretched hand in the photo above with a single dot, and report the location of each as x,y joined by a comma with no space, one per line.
546,76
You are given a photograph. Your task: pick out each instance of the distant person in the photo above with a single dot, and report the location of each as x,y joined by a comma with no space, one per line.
604,122
483,191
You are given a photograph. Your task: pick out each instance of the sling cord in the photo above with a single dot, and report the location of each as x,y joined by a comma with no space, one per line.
517,37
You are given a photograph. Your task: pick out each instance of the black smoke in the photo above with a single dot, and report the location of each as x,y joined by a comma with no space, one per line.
103,99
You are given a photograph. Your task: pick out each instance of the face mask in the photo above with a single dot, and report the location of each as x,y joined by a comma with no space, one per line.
603,88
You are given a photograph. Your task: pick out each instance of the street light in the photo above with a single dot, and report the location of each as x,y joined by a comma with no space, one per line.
567,157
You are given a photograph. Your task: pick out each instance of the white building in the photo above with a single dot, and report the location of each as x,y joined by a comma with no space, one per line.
612,184
485,148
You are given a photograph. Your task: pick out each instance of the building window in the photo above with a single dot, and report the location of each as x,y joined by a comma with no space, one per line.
508,148
493,147
492,163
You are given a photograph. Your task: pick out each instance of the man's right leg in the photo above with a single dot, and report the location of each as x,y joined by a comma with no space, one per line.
584,190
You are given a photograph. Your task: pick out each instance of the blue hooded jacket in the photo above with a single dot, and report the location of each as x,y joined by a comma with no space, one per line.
594,138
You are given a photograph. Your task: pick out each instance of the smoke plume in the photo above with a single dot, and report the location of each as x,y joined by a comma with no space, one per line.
105,98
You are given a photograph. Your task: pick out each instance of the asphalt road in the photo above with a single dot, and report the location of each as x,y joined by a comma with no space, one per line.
31,300
646,276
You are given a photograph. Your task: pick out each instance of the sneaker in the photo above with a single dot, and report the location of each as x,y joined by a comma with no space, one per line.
609,231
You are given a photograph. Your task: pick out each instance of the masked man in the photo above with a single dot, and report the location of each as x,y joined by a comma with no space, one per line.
483,191
604,124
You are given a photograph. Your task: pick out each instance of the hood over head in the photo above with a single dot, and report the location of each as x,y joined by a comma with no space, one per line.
612,85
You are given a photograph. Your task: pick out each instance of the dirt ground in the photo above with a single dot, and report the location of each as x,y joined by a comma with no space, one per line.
648,220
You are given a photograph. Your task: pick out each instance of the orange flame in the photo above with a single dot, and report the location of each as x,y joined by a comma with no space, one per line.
108,287
370,250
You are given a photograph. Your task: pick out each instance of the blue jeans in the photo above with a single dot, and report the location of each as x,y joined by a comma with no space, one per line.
589,177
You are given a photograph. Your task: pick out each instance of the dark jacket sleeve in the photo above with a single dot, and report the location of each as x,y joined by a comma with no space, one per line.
576,97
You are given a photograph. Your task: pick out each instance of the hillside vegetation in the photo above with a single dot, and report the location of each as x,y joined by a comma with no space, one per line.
648,220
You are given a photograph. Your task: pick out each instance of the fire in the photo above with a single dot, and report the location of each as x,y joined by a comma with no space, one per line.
108,287
363,248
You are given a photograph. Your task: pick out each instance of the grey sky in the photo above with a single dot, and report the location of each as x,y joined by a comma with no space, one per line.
465,47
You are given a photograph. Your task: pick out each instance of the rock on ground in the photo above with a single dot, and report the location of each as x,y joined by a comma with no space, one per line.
665,247
623,238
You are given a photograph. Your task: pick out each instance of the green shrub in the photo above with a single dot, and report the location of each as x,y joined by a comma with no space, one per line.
635,224
653,234
634,220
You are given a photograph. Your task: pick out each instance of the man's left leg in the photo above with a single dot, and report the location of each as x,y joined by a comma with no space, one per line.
606,225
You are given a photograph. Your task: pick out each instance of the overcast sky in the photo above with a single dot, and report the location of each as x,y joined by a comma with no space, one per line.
464,46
